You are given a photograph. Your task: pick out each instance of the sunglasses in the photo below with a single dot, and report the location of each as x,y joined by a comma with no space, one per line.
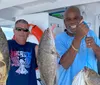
21,29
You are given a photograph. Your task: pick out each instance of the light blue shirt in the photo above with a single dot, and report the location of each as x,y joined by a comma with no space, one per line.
84,57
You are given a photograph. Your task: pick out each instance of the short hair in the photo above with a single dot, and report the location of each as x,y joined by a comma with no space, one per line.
21,21
75,8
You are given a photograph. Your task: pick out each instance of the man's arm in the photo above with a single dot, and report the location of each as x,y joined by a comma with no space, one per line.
91,44
69,56
96,49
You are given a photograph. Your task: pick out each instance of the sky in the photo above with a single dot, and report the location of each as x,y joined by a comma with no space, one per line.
8,32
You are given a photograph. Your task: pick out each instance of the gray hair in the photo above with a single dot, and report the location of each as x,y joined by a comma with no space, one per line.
21,21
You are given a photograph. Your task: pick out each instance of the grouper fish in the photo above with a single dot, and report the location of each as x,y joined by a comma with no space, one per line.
4,58
47,58
87,76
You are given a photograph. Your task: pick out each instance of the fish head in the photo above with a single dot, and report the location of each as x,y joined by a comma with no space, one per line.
89,72
48,36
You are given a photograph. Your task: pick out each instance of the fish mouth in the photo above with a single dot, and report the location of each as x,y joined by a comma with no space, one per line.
85,69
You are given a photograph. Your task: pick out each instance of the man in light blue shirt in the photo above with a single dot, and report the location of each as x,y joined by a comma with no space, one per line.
77,47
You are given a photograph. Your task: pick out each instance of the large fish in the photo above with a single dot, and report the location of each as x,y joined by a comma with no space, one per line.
87,76
47,58
4,58
91,77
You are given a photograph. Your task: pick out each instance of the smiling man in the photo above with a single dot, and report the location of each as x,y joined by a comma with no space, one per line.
78,46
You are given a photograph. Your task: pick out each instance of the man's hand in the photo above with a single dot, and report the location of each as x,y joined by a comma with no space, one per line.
81,31
90,43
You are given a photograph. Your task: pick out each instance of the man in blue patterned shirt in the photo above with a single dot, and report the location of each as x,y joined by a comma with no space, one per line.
22,57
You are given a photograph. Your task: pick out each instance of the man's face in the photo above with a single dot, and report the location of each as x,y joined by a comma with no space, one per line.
72,19
21,31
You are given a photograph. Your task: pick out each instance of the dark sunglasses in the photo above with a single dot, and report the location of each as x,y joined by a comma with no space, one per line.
21,29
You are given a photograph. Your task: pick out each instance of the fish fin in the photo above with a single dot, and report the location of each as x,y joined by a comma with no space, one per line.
53,27
86,83
42,80
54,52
3,72
58,56
55,81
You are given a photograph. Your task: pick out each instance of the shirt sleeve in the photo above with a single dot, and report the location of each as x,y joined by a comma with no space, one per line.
59,47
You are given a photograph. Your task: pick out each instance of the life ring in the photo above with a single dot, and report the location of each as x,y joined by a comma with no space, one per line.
36,31
31,38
